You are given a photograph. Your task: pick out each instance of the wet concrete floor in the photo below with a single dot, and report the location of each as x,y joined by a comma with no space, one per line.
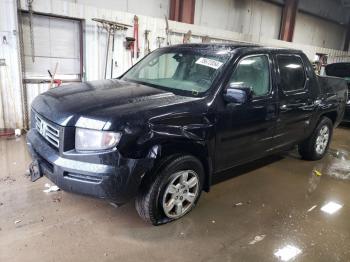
274,209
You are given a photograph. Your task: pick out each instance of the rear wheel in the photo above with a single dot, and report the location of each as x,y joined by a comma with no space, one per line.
316,146
172,192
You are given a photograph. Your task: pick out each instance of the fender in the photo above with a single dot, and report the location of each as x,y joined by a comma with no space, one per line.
171,134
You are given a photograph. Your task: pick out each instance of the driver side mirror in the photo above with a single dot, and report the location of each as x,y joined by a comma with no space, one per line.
238,94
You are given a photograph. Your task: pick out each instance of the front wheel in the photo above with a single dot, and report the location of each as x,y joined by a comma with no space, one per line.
172,192
316,146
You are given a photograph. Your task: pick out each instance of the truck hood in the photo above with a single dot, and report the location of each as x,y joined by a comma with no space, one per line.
105,104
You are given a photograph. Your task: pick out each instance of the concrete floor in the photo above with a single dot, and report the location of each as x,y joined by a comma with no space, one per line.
258,209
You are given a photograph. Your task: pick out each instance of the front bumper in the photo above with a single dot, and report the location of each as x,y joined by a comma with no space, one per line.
117,180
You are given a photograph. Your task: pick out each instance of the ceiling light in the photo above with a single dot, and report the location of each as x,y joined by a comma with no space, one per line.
331,207
287,253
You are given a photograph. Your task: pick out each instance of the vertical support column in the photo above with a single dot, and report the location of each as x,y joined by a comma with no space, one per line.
347,39
182,11
289,14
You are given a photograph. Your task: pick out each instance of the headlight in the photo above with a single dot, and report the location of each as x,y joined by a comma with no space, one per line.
93,140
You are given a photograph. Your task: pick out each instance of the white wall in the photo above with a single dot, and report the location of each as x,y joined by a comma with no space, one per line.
155,8
10,75
311,30
254,17
263,19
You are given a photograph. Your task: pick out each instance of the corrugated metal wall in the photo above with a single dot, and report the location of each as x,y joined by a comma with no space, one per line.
95,44
10,86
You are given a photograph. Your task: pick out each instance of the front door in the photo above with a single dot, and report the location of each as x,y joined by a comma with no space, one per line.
244,132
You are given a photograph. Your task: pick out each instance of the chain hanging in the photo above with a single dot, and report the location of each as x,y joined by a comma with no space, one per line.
30,9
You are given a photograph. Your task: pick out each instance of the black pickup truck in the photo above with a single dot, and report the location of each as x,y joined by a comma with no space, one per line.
162,130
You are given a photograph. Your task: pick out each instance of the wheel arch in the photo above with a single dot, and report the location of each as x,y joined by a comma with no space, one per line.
196,149
332,115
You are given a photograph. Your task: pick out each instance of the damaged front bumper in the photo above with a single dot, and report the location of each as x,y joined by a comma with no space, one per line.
117,179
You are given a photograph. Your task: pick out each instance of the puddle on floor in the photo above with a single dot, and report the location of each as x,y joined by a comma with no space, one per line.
337,165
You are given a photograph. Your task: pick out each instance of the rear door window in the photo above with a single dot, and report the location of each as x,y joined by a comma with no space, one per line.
292,72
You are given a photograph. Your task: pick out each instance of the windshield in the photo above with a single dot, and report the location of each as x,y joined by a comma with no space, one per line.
187,71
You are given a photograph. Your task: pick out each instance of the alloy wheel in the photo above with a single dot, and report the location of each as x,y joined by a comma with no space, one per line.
180,194
322,140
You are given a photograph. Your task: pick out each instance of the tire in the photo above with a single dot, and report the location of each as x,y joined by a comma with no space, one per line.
311,148
158,189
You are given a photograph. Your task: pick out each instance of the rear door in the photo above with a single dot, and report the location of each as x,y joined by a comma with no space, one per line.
295,104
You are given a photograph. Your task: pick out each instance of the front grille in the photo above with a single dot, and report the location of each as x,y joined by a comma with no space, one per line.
48,131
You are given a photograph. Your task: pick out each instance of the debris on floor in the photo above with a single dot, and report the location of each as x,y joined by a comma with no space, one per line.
314,180
50,188
241,203
18,221
18,132
27,173
113,204
257,239
56,199
7,180
311,208
317,173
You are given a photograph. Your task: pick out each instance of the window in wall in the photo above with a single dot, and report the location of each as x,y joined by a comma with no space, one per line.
253,72
292,72
56,40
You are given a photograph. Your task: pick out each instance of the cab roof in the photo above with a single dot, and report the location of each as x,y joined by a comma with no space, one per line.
234,46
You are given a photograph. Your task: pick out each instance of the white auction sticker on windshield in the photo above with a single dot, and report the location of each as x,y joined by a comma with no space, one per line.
209,62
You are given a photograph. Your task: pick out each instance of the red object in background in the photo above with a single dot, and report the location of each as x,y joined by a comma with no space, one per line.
289,14
182,10
136,36
6,132
58,82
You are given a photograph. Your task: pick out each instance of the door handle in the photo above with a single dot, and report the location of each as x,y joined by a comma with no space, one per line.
283,108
